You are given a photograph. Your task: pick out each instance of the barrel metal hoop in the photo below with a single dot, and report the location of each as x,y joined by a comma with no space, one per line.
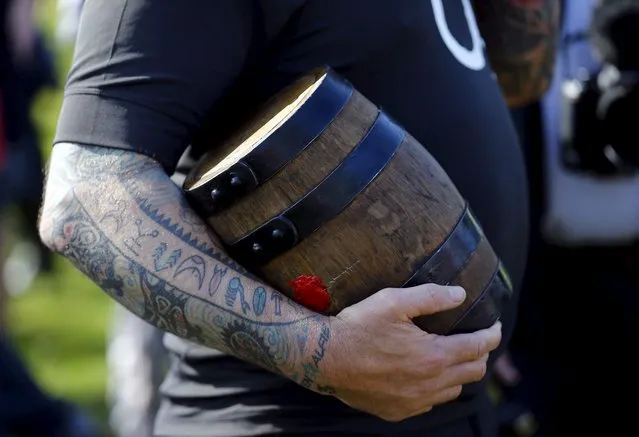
488,307
279,148
443,265
324,202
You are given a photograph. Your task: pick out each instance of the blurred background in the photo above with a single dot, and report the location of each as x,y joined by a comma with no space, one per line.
580,144
57,319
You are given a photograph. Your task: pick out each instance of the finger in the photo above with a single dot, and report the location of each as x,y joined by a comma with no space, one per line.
447,395
425,299
464,373
470,347
421,411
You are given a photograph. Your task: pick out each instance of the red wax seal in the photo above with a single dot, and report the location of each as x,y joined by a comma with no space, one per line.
311,292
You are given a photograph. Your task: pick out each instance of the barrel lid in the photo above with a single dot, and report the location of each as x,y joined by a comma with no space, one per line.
286,125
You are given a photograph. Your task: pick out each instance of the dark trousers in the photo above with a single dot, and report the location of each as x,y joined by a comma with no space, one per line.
24,409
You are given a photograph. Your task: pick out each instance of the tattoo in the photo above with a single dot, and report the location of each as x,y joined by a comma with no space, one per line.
216,279
321,346
165,306
311,370
177,229
134,243
86,246
235,289
195,266
277,298
189,217
160,262
259,301
117,214
126,229
521,41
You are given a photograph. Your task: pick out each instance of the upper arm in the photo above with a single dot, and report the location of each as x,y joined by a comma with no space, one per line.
146,72
521,41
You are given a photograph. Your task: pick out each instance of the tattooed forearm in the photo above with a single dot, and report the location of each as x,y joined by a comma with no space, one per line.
521,40
119,219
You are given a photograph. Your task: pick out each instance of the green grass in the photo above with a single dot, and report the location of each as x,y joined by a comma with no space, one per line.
59,325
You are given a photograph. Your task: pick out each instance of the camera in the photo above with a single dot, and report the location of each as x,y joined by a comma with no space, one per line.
600,126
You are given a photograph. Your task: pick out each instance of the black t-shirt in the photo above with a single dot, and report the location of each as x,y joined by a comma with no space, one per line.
156,76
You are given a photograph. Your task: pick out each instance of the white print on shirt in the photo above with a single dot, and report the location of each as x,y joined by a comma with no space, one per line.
473,58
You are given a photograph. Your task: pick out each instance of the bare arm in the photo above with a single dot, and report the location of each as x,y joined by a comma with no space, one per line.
521,41
117,216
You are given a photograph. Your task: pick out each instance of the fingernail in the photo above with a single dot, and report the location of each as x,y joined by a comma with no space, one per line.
457,293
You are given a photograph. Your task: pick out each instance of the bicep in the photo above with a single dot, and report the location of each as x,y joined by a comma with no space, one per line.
146,72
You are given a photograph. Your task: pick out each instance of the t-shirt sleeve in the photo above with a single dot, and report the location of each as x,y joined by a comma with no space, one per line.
146,72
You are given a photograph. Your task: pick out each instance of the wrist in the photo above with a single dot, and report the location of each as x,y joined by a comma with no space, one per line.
320,363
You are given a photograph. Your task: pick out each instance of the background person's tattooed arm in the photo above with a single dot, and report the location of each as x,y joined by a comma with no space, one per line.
521,41
117,216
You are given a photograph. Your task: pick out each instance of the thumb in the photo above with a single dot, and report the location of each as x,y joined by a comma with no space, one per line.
423,300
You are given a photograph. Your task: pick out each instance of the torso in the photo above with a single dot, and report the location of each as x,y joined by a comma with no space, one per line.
424,63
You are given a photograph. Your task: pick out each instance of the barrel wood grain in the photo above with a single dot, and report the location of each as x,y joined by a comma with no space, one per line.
301,174
381,238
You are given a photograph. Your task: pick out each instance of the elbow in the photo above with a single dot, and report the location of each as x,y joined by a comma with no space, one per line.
59,210
46,231
60,199
54,212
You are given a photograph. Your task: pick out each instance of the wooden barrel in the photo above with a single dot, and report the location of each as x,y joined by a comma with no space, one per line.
322,182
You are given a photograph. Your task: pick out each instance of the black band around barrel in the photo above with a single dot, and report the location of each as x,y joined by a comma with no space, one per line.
487,309
442,266
279,148
325,201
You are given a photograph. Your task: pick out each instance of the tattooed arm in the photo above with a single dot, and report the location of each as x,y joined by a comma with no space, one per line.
117,216
521,40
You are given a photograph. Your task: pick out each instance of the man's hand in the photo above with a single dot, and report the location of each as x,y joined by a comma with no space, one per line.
381,363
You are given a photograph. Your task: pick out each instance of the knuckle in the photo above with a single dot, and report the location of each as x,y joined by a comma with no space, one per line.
497,340
388,298
454,393
480,370
480,348
427,388
433,296
493,339
393,416
436,361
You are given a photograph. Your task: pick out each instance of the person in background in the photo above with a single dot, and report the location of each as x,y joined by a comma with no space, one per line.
136,365
585,178
68,14
29,69
25,410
